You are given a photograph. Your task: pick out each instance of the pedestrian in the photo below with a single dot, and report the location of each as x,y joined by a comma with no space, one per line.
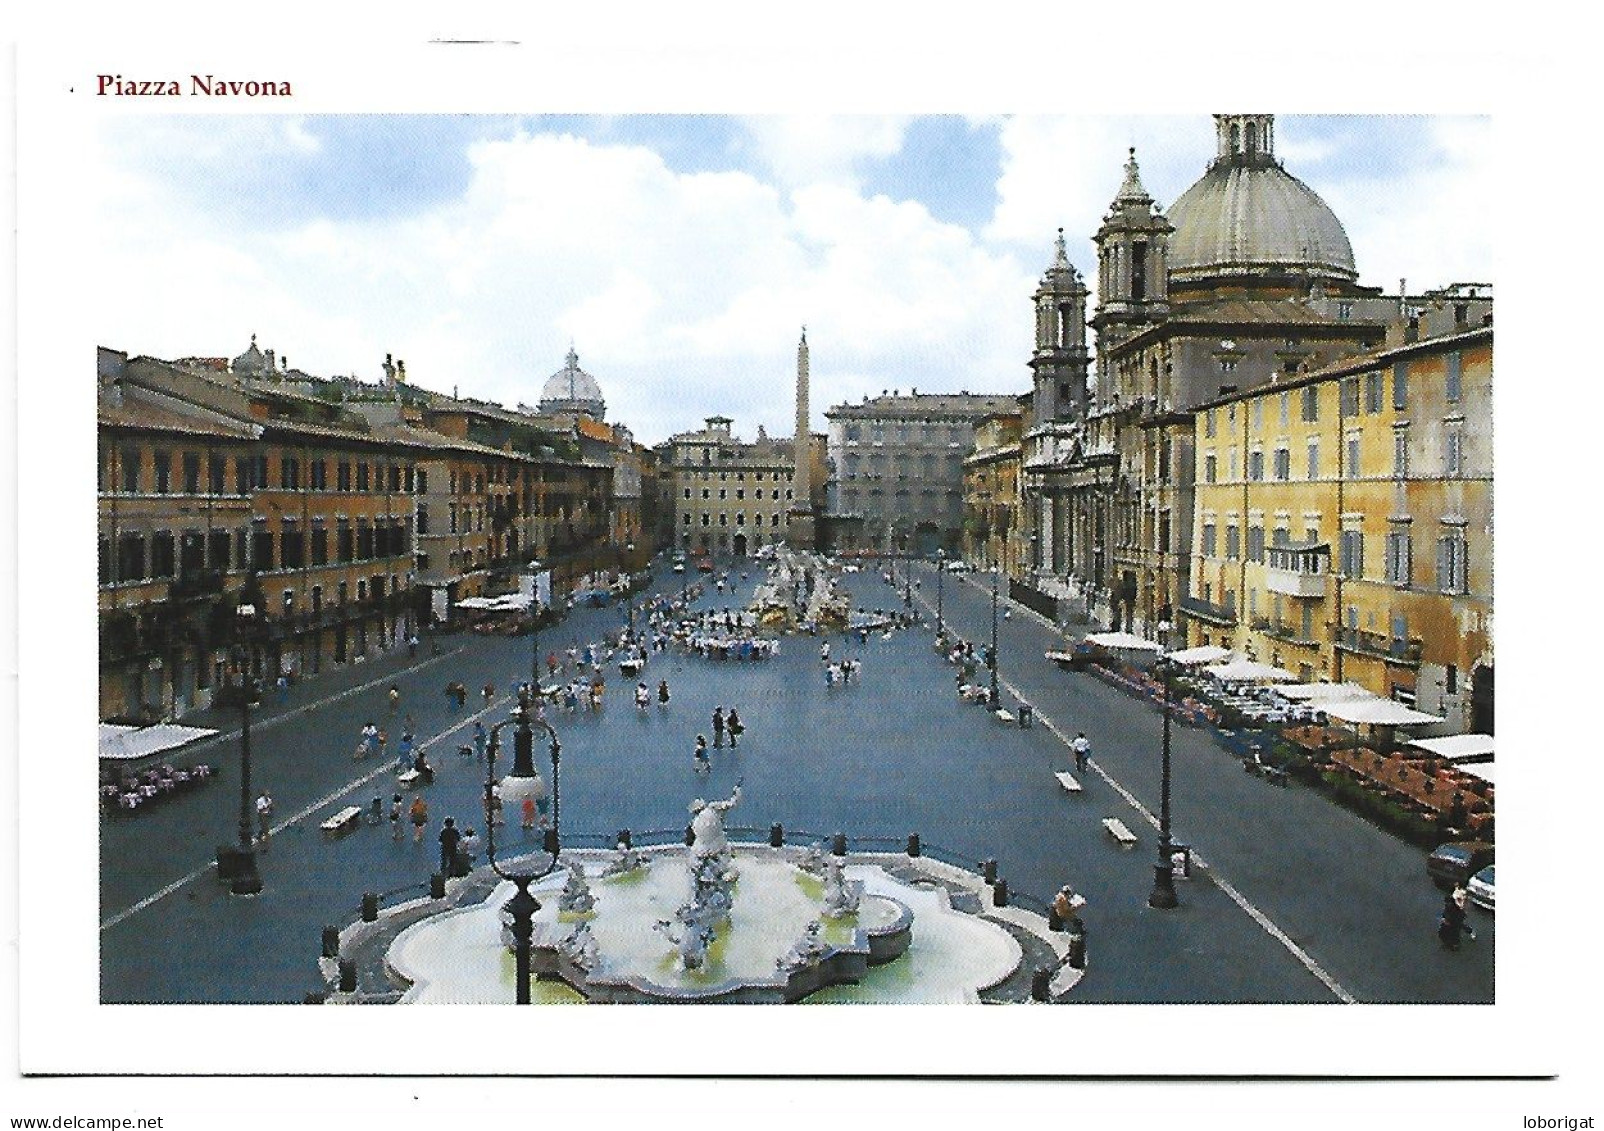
395,699
412,646
395,817
490,693
479,739
1452,924
718,727
824,652
699,759
551,665
419,812
376,810
1082,748
662,693
450,837
264,817
405,747
734,725
528,814
283,689
467,852
642,696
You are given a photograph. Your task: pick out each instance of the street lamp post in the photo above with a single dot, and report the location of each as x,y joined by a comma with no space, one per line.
1163,894
519,782
991,656
941,570
246,879
629,584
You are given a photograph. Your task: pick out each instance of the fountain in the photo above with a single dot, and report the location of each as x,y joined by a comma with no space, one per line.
721,922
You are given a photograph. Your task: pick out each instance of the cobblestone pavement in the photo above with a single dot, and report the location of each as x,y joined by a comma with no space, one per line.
894,755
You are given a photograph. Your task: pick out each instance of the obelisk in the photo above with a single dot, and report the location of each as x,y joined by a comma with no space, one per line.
801,534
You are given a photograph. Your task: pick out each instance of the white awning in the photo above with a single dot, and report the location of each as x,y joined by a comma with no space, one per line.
1323,692
122,744
1455,747
1249,671
1482,770
511,602
1377,712
1122,640
1202,654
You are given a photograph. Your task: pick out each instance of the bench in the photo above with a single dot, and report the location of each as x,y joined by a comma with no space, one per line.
343,821
1116,829
409,779
1067,780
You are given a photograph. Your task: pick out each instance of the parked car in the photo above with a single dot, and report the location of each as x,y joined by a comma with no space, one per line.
1480,888
1457,861
957,565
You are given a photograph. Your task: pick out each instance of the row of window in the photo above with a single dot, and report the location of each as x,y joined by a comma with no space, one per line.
1364,393
250,472
165,555
905,433
1453,462
1452,553
740,519
740,493
740,476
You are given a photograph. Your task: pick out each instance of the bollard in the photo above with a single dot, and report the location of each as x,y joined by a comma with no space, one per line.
690,836
437,886
1054,923
1077,944
999,894
914,847
776,835
838,844
370,907
988,870
1041,984
623,838
347,975
331,942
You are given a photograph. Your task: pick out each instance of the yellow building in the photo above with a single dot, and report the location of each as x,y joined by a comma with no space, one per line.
729,496
1343,525
992,530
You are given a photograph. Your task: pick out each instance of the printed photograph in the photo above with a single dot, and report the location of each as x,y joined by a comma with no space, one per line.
715,559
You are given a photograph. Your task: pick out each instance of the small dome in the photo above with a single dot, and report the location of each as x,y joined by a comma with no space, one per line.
571,389
1247,213
252,363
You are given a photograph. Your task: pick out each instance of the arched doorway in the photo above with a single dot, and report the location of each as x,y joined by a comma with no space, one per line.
927,539
740,545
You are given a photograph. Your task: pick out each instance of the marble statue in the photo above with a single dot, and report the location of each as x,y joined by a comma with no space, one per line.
626,860
812,860
576,897
808,949
579,947
707,828
841,895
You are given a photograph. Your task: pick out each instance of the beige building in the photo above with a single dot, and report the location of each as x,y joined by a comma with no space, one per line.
731,496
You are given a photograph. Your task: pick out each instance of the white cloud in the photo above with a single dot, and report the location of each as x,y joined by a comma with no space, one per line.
806,149
683,293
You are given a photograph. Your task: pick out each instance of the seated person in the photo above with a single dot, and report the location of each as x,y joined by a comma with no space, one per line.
425,771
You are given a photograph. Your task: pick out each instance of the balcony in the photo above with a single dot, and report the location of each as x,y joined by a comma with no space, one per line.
1290,634
1222,615
1295,583
1389,648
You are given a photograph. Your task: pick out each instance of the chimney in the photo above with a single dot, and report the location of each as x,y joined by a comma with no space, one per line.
1412,331
400,370
1403,291
389,370
272,363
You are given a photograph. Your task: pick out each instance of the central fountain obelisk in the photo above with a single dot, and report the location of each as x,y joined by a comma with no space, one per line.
801,532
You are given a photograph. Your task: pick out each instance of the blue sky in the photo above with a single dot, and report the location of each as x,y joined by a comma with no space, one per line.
681,254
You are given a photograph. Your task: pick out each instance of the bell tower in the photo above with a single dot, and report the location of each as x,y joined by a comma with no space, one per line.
1059,362
1132,267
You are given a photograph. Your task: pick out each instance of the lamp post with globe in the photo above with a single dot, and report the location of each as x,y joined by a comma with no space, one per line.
1163,894
520,782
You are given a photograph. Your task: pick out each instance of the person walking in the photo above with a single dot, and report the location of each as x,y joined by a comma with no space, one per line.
479,739
489,693
662,693
264,817
824,652
1082,748
395,817
528,813
283,689
395,698
419,812
718,727
412,646
376,811
1452,924
450,837
733,724
699,759
643,696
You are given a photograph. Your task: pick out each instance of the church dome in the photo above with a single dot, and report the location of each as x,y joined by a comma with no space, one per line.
571,389
1248,214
